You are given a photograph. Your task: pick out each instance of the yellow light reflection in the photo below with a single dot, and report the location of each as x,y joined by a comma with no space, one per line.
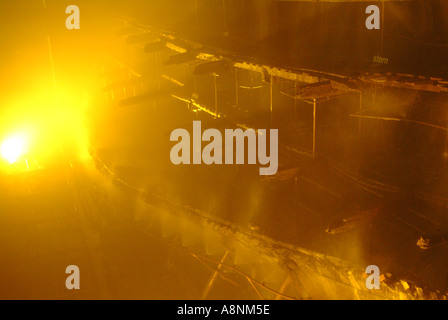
49,124
13,148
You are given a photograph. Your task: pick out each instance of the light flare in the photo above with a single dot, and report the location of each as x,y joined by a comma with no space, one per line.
13,148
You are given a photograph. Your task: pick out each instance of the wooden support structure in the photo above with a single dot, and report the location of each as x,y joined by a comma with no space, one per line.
214,276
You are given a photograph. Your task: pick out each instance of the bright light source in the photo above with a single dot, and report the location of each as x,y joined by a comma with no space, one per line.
13,147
